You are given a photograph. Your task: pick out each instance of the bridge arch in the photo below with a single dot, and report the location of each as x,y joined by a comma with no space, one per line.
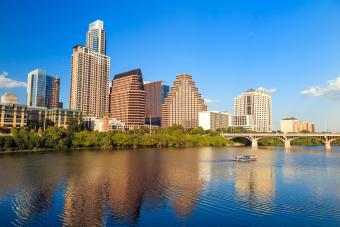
273,137
323,141
249,139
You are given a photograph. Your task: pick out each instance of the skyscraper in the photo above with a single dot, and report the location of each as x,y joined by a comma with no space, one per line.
96,37
155,94
183,103
52,92
257,103
90,74
127,98
42,89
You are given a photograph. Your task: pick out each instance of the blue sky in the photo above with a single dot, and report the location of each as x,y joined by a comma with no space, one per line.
228,47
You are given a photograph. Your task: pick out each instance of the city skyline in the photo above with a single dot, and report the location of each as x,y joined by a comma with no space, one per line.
262,57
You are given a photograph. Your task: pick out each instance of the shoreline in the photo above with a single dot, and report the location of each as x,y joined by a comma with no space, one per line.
32,151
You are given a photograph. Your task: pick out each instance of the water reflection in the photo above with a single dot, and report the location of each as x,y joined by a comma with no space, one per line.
255,182
126,187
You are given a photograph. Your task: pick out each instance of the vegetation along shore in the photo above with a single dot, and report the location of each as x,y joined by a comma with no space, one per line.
77,137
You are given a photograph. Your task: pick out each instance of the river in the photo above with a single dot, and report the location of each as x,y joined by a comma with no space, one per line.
171,187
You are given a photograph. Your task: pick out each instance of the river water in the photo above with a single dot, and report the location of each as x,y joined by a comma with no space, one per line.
171,187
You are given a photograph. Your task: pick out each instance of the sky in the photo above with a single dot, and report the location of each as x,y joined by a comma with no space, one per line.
289,47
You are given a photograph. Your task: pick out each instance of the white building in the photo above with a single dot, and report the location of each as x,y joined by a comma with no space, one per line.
9,98
243,121
103,124
257,103
212,120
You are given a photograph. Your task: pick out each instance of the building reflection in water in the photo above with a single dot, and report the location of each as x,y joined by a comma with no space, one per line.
126,181
109,187
33,186
255,181
84,194
184,182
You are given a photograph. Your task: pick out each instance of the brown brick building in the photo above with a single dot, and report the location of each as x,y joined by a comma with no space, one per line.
155,94
183,103
127,98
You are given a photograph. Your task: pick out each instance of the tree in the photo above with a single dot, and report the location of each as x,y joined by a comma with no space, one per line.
75,126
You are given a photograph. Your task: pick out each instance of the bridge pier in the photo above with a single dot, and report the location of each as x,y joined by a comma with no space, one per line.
328,145
287,144
254,143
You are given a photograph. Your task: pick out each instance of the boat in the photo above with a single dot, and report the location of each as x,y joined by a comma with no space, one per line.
245,158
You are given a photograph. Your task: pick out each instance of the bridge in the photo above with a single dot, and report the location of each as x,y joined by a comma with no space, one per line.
325,138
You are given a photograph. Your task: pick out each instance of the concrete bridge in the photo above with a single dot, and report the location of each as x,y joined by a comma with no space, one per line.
326,138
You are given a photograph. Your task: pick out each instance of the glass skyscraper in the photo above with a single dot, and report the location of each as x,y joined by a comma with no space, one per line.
42,89
96,37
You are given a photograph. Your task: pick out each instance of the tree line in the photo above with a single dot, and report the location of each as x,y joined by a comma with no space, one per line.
76,136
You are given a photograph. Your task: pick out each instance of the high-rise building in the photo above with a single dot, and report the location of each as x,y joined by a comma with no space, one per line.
294,125
183,103
52,92
42,89
96,37
127,98
258,103
90,75
155,94
9,98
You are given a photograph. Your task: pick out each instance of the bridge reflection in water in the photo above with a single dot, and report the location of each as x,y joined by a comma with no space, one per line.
325,138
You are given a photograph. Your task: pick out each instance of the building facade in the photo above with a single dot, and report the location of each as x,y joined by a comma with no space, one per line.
104,124
257,103
9,98
52,92
13,116
42,89
243,121
20,116
293,125
183,104
127,98
213,120
90,74
96,37
155,94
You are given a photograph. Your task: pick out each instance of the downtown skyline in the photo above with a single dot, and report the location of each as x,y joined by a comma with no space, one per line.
225,57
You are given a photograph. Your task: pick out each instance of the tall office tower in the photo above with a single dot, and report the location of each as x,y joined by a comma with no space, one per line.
183,103
257,103
52,92
96,37
42,89
90,75
127,98
155,94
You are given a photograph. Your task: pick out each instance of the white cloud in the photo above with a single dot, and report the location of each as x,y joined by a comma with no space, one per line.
271,90
209,101
6,82
331,90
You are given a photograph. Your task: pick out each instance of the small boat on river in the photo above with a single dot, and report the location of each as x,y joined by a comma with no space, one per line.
245,158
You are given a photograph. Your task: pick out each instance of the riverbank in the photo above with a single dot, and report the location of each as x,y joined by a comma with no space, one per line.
61,139
67,139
